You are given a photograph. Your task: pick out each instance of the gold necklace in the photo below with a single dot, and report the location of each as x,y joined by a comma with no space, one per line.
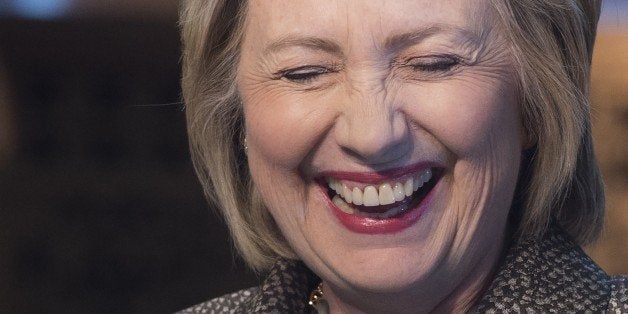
317,301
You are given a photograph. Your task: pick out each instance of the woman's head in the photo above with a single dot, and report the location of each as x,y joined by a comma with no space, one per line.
352,88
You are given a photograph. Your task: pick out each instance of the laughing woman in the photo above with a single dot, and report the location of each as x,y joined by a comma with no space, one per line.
400,156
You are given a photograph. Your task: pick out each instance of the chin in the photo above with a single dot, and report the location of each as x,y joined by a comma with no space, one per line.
391,270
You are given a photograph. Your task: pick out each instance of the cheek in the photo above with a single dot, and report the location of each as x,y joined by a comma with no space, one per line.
283,128
468,118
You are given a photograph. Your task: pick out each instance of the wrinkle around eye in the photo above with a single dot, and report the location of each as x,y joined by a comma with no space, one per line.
264,85
411,73
303,74
481,63
318,81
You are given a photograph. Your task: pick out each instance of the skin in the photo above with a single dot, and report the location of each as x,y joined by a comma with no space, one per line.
334,86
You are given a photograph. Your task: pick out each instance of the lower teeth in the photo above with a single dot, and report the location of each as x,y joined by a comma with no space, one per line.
343,206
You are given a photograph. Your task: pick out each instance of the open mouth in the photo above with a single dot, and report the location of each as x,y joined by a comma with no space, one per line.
389,199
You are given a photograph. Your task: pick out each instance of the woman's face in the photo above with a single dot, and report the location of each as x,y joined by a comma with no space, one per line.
384,138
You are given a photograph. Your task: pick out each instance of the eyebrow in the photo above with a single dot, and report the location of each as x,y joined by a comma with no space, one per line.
401,41
314,43
392,43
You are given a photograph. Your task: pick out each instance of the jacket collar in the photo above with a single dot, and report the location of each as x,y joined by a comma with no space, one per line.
543,275
286,289
547,275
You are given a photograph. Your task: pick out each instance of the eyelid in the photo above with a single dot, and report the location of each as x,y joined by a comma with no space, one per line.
313,69
431,65
436,58
309,72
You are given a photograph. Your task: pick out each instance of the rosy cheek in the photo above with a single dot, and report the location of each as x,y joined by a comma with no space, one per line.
284,128
466,120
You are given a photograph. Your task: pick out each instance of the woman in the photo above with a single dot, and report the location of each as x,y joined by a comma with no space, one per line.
400,156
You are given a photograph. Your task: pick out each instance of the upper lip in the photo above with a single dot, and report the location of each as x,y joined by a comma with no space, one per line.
377,177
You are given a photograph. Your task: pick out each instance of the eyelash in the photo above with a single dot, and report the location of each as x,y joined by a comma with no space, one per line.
434,63
303,74
306,74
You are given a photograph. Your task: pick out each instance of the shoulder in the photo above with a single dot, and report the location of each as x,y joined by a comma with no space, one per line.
228,303
551,274
619,295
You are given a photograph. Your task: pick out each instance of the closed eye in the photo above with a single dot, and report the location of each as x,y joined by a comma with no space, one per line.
303,74
434,63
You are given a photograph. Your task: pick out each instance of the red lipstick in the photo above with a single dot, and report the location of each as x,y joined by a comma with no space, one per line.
379,176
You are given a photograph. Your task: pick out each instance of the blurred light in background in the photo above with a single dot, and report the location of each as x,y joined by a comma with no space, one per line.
68,9
35,9
614,15
614,12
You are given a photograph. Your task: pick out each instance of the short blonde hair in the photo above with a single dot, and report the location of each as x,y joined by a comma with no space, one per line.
551,43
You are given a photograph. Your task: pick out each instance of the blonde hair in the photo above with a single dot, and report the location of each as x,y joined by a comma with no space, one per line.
551,42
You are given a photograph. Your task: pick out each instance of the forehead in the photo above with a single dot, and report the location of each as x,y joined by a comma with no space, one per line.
360,19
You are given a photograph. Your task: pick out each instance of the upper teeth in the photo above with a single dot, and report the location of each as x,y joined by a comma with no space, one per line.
384,194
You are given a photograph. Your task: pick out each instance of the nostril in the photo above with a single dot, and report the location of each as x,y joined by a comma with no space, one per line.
395,152
378,144
374,131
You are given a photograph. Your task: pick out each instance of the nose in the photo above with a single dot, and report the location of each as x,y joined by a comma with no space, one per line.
372,128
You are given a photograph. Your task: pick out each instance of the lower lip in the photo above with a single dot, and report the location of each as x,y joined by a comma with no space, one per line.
367,225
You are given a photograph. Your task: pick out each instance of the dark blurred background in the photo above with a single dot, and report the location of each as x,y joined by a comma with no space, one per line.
100,211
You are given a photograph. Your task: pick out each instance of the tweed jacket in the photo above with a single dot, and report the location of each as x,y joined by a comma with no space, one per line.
551,274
